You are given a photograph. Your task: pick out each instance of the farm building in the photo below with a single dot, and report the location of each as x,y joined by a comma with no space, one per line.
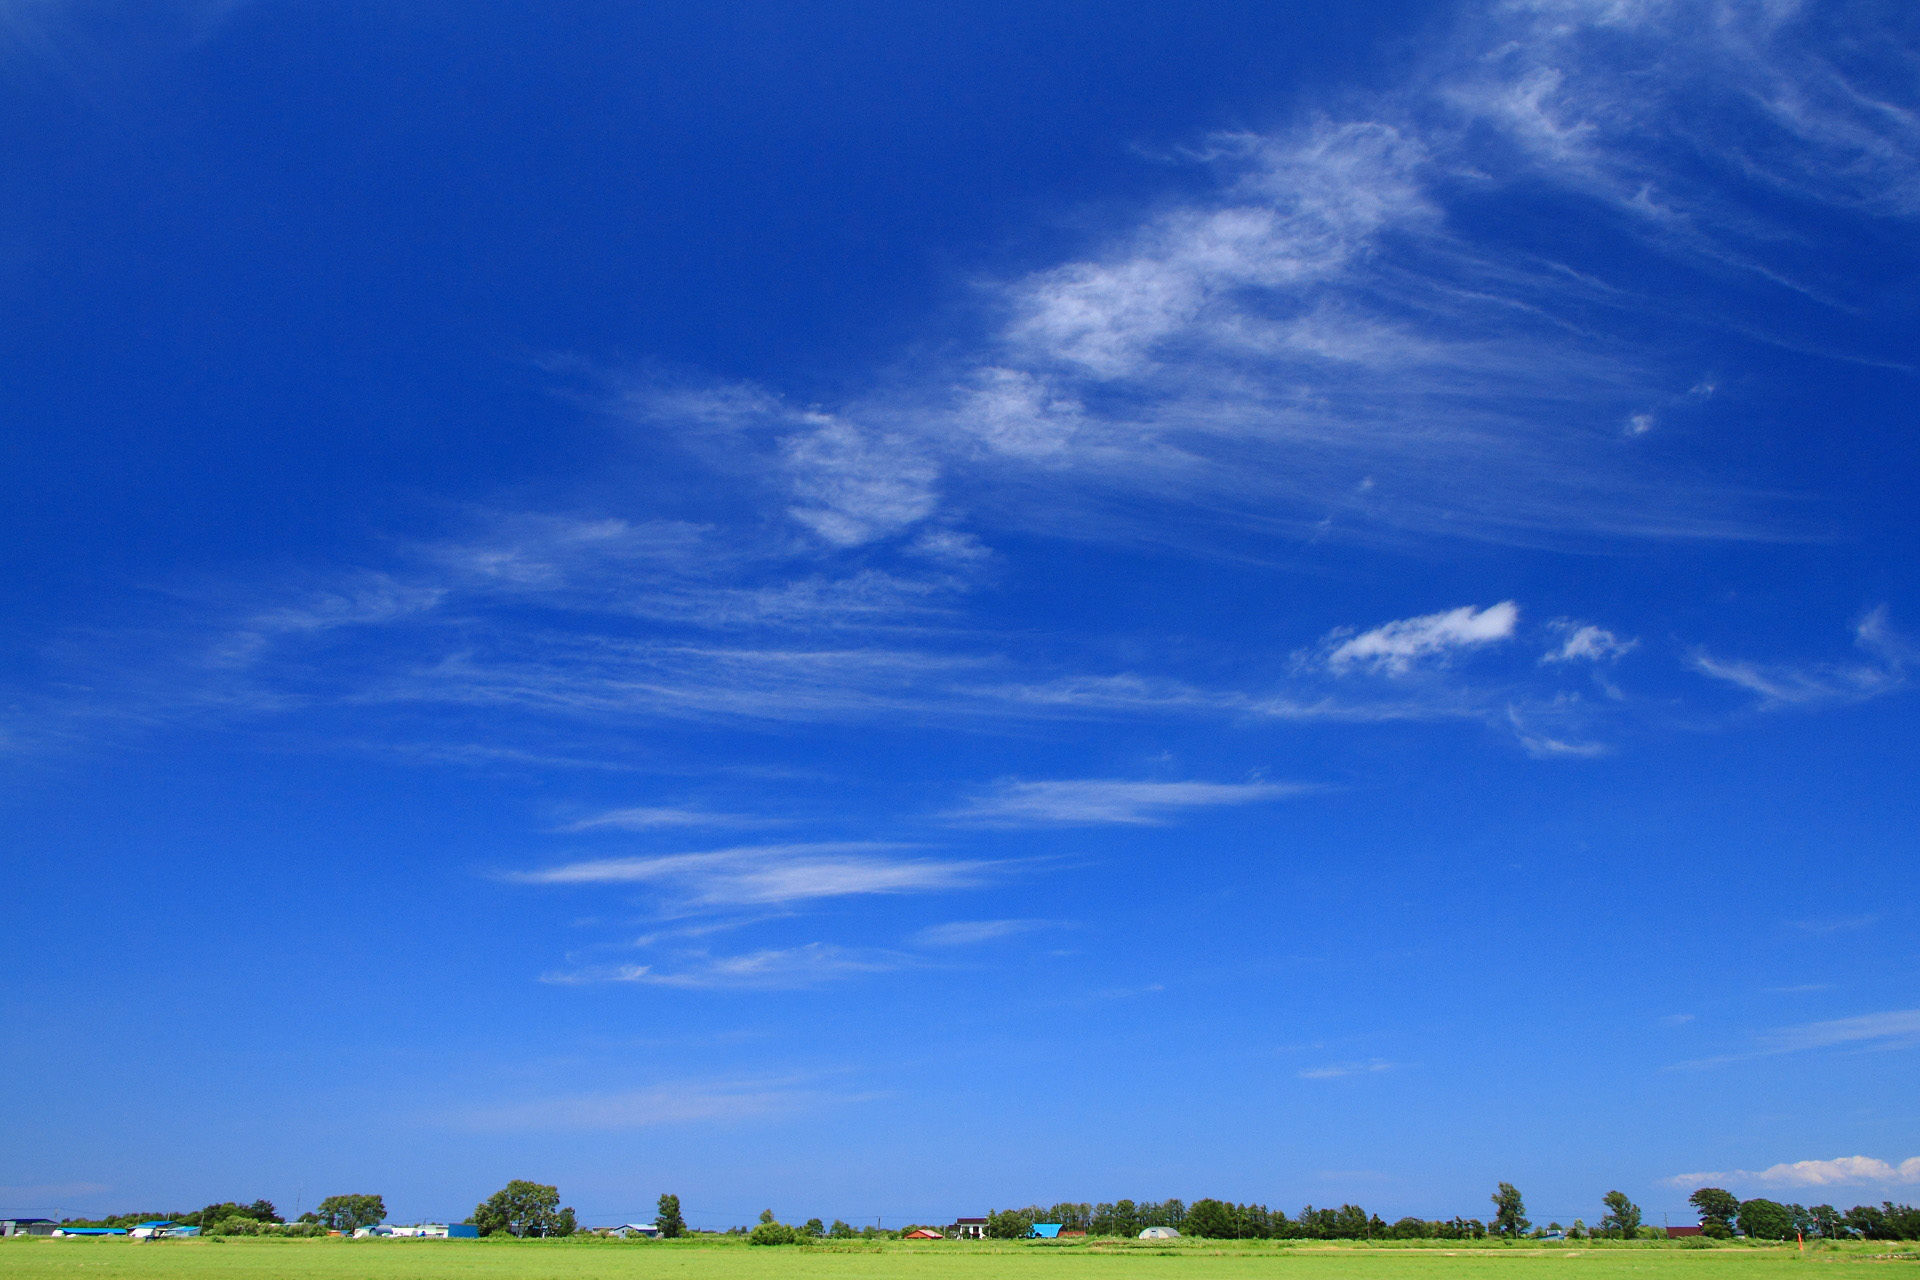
1159,1233
629,1230
924,1233
1675,1233
89,1231
1044,1231
27,1226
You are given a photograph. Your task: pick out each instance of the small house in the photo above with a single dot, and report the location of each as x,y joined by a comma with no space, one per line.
632,1230
924,1233
969,1228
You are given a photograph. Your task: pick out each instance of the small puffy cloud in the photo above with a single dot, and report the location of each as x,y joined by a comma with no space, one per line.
966,933
1841,1171
1397,647
1584,642
1088,801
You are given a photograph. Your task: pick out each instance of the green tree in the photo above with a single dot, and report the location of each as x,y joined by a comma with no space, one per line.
813,1227
1509,1211
1827,1221
1718,1208
768,1231
1008,1224
667,1218
1765,1219
523,1208
1622,1216
841,1230
1212,1220
350,1213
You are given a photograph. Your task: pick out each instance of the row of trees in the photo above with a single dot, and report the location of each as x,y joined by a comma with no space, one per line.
1223,1220
1722,1212
229,1218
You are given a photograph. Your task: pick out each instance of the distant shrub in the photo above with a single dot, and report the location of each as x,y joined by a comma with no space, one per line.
773,1233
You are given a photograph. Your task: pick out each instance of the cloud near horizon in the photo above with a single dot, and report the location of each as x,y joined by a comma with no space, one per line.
1843,1170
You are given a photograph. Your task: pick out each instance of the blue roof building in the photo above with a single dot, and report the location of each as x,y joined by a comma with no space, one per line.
1044,1231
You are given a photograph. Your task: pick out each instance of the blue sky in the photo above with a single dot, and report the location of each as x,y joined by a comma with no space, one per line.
879,610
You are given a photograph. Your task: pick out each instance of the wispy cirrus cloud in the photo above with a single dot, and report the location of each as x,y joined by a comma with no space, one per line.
1340,1070
1093,801
1788,685
968,933
655,818
1891,1030
1841,1171
768,969
763,875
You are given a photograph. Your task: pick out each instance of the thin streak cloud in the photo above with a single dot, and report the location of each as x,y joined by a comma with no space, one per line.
763,875
1097,801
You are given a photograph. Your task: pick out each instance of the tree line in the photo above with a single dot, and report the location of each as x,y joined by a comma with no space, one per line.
1722,1212
526,1209
1721,1215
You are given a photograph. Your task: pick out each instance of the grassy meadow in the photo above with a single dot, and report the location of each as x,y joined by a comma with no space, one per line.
709,1259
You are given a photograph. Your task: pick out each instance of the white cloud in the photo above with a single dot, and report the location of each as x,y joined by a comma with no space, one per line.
1396,647
1584,642
771,969
855,485
1842,1171
655,818
1337,1070
760,875
967,933
1089,801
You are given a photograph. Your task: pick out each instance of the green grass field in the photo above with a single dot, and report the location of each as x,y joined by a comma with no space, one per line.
243,1259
